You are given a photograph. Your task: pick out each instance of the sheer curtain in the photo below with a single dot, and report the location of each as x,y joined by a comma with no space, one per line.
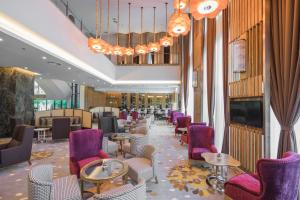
204,102
190,99
219,122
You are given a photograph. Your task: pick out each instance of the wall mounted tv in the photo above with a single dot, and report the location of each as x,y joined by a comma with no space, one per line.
249,113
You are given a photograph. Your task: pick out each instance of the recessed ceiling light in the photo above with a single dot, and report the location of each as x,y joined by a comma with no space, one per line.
69,68
44,57
83,83
41,78
73,80
1,39
25,67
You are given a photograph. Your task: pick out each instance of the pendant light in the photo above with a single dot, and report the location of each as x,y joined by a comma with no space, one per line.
96,44
207,8
166,40
141,49
179,23
129,51
180,4
118,50
109,50
154,46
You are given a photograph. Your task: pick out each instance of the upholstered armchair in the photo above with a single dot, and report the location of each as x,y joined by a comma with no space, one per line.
128,192
85,147
41,185
143,166
136,142
110,147
19,148
109,125
134,115
185,137
123,115
171,116
276,179
140,130
182,122
175,116
201,140
60,128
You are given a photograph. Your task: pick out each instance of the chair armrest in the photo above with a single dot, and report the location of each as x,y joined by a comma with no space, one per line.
102,154
10,154
213,149
3,146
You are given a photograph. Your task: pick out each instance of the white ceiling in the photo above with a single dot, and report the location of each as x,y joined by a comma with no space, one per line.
85,10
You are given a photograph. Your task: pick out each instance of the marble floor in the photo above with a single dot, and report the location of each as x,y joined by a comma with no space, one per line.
176,180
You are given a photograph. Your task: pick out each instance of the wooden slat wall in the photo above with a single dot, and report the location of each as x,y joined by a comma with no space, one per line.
246,145
246,22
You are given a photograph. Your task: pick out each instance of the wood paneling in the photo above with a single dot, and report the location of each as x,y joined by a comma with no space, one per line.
93,98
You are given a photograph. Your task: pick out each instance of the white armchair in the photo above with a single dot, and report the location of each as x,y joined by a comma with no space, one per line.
144,166
125,192
41,186
140,130
110,147
135,145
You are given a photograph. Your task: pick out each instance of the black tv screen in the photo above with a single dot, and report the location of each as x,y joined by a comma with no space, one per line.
247,112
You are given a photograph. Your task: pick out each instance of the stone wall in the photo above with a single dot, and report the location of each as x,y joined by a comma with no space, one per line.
16,97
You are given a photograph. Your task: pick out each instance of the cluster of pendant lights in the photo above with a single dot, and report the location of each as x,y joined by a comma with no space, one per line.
179,24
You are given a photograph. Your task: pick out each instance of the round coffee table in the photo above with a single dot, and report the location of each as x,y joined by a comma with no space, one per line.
121,137
102,170
220,162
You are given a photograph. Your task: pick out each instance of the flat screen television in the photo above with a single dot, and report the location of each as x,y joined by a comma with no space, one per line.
247,112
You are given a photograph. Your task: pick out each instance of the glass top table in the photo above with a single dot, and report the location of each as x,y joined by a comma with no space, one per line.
102,170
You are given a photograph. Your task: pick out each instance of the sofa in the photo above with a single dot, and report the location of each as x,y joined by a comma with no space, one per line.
19,148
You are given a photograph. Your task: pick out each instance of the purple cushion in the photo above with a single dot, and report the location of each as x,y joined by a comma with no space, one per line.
246,182
197,152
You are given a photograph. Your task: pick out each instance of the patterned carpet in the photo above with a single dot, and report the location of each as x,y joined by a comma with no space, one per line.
177,180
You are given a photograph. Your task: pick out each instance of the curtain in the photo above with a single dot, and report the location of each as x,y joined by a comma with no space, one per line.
186,63
225,31
211,40
285,69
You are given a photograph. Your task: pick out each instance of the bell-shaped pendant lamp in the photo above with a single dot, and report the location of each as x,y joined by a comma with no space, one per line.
129,51
154,46
179,24
207,8
141,49
166,40
180,4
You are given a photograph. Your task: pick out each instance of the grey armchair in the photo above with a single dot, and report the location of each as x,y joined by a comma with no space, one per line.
41,186
19,148
144,166
125,192
108,125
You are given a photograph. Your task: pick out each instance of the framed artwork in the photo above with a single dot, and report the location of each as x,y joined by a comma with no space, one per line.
239,56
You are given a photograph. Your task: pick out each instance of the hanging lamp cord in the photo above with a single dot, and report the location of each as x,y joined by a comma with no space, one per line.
108,20
141,25
166,18
100,18
97,1
154,38
129,36
118,22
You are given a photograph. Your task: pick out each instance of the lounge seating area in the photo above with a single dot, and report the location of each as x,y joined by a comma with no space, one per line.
150,100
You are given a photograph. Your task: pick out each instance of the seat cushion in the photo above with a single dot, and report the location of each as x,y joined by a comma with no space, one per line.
139,168
197,152
66,188
112,147
83,162
246,182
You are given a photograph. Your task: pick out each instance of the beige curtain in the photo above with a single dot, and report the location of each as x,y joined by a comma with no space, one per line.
225,147
285,69
211,42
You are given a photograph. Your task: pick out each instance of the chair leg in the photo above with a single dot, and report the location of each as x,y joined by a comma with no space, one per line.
29,162
156,179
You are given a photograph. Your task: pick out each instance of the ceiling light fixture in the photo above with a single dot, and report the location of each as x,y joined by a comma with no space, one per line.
207,8
1,39
44,57
180,4
179,23
154,46
69,68
141,49
129,51
118,50
166,40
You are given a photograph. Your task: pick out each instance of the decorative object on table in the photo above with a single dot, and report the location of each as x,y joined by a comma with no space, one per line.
207,8
128,192
85,146
201,140
143,166
41,185
100,171
18,149
275,179
39,155
166,41
220,163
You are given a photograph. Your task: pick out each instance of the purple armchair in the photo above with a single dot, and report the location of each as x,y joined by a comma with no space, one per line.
276,179
201,140
185,137
175,116
123,115
85,147
134,115
182,122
